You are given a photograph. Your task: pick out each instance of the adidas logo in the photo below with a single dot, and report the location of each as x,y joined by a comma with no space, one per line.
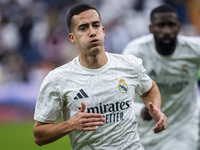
81,94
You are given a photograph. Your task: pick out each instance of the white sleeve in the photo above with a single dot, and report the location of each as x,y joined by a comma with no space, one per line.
144,81
49,104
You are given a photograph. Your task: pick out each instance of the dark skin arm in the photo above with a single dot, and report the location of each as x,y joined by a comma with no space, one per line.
152,101
45,133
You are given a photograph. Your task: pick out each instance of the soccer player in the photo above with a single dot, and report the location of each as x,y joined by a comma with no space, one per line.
94,93
172,61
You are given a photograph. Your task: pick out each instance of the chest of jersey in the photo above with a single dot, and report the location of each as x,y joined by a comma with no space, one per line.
175,71
108,93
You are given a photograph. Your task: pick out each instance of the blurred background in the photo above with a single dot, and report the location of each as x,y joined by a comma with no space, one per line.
34,40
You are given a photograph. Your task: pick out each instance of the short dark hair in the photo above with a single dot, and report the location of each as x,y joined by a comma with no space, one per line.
77,9
162,9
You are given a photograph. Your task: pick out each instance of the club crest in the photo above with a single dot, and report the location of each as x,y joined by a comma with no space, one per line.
185,69
122,86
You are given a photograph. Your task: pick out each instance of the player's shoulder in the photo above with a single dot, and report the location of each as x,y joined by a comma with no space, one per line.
63,69
134,47
190,45
145,39
125,59
183,39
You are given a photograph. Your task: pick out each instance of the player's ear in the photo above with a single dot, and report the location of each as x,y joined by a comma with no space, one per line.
150,28
103,30
71,38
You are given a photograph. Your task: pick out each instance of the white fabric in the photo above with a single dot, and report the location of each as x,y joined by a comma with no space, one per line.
104,93
176,77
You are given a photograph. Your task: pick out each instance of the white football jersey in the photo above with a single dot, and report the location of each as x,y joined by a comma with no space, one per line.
108,90
176,77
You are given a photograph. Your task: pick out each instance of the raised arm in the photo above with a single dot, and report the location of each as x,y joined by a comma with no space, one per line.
152,100
45,133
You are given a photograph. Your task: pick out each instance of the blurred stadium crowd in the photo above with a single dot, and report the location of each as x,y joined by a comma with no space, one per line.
34,40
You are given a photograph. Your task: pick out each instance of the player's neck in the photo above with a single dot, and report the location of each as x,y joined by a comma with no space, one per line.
93,62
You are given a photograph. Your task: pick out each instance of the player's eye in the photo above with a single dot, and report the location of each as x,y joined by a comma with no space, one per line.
96,25
82,28
172,24
160,25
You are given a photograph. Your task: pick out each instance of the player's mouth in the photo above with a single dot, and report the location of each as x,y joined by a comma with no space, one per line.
166,40
95,41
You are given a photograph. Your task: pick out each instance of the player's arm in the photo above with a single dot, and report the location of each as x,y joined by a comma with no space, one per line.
45,133
152,101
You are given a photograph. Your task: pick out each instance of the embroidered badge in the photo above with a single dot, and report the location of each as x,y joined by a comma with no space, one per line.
122,86
185,69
